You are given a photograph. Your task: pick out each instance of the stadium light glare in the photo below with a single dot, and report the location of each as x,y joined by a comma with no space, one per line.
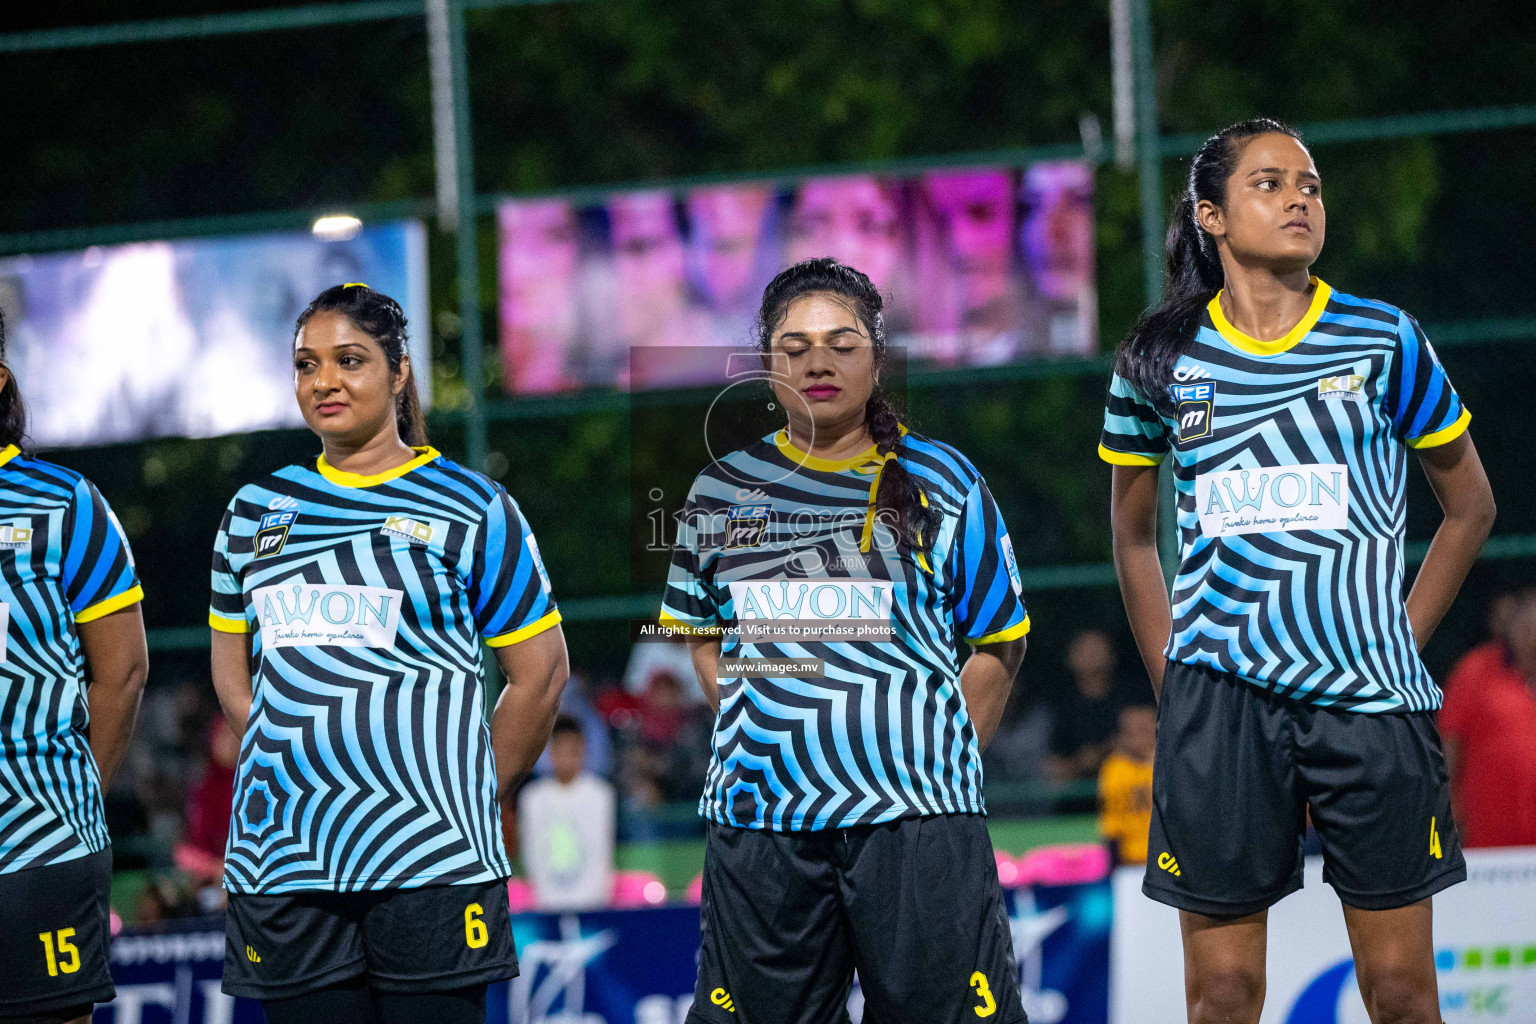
336,227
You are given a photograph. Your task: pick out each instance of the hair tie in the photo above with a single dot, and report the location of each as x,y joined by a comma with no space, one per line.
355,284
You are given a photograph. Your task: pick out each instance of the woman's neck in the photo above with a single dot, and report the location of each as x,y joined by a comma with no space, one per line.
831,440
378,454
1262,304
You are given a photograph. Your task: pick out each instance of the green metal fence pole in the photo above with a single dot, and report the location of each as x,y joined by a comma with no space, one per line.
1148,151
1150,172
468,245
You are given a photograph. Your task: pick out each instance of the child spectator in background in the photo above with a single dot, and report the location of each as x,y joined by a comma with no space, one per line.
1125,785
1488,725
566,824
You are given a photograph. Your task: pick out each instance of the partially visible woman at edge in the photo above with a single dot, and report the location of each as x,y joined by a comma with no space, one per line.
846,826
1287,667
351,596
69,610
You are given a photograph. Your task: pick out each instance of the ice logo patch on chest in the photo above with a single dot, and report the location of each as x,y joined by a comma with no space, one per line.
1275,498
298,614
812,599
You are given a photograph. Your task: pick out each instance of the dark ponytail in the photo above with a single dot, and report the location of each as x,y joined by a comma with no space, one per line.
13,412
899,503
381,318
1147,355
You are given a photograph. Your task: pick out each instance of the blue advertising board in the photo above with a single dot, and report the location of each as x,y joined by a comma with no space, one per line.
622,966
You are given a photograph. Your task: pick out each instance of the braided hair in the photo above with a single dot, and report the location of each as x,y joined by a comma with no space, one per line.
899,503
381,318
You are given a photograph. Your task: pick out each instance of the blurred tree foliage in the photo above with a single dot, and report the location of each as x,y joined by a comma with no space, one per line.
610,91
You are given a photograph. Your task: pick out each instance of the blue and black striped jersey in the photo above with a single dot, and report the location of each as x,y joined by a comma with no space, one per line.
63,561
1290,464
770,533
367,762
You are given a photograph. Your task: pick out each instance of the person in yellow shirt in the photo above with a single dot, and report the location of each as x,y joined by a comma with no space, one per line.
1125,785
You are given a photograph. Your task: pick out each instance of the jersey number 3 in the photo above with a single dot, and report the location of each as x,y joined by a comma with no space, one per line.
983,992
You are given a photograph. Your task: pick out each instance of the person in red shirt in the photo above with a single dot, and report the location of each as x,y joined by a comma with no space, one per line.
1488,723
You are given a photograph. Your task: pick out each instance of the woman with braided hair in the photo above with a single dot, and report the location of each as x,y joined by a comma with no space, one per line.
826,577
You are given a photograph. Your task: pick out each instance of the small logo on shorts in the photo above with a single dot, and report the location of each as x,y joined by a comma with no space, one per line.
720,997
1167,862
251,955
1434,840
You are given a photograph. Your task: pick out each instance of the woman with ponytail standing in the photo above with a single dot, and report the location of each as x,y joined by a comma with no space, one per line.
1287,660
843,803
69,612
351,597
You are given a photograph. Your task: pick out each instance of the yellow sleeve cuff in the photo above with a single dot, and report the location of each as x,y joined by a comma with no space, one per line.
1445,436
1011,633
533,628
1115,458
228,625
133,595
677,625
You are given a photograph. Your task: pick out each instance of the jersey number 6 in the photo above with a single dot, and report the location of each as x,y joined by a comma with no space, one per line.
475,935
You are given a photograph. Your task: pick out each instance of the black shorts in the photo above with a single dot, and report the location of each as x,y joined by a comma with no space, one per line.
430,939
913,904
54,929
1238,768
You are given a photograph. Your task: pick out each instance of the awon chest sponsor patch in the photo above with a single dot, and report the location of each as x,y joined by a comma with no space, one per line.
298,614
1194,408
272,533
746,525
1239,501
812,599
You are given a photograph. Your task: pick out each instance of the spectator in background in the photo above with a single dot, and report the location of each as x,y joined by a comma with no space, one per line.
566,825
1087,717
201,850
1488,724
1125,784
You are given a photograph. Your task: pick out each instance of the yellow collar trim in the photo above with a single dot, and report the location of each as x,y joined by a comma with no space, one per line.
344,479
1254,346
8,453
809,461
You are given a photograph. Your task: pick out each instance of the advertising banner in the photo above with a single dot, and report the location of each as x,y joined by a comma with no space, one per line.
1485,950
978,266
190,338
622,967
